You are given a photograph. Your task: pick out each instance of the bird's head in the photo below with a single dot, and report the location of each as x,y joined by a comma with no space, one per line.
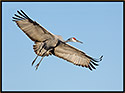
73,39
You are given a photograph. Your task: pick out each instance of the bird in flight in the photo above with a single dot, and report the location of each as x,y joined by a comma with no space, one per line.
46,43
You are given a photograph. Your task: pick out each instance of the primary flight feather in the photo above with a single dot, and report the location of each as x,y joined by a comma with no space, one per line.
47,43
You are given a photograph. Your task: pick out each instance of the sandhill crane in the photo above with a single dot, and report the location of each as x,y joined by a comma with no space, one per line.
47,43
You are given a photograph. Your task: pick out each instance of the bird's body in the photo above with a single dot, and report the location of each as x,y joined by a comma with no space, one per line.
47,43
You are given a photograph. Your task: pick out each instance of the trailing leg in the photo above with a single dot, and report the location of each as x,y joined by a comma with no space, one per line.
39,63
36,49
34,60
42,58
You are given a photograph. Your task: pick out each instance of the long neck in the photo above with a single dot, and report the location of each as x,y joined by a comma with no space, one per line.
67,41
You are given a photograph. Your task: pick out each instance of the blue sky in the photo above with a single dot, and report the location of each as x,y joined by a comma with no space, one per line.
98,24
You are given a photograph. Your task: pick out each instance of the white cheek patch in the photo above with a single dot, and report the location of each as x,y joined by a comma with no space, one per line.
73,40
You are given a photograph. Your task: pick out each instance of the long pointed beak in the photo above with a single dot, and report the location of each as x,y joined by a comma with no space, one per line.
79,41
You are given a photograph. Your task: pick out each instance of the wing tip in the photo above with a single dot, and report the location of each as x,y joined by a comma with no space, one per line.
101,58
21,16
89,67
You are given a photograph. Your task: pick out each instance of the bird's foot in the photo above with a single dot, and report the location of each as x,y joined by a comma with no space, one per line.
37,66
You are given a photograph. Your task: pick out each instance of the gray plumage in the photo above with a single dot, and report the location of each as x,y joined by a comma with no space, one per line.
47,43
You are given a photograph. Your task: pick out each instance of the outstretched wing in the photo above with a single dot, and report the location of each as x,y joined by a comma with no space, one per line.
75,56
31,28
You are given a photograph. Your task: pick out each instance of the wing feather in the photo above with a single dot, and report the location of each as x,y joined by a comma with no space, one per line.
31,28
74,55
